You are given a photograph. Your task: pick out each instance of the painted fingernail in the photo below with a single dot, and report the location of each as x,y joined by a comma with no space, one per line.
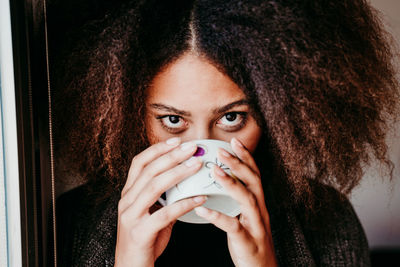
224,153
237,142
187,146
192,161
199,199
173,141
201,211
219,171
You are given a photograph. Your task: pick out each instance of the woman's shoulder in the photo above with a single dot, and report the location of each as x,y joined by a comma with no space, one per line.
70,216
83,205
329,206
84,198
73,197
326,233
85,222
75,204
332,227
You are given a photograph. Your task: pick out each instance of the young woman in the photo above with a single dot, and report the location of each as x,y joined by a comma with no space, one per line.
301,89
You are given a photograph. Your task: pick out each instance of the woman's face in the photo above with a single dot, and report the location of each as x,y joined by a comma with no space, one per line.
193,100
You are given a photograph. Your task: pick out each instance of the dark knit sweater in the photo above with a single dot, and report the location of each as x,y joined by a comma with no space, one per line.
87,235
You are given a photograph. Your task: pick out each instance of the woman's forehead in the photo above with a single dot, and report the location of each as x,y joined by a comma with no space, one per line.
191,80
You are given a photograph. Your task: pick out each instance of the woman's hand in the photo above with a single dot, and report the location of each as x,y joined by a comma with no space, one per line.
249,237
143,235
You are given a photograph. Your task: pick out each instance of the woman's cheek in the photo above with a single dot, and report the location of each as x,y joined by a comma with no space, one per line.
152,133
251,138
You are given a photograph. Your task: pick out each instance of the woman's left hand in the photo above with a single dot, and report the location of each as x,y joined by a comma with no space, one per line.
249,237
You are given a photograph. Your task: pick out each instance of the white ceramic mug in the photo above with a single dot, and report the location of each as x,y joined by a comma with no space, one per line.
203,183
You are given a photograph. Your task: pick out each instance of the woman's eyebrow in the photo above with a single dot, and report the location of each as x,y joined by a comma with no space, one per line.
170,109
187,114
231,105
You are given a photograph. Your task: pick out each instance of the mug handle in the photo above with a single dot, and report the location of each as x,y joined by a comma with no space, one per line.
162,202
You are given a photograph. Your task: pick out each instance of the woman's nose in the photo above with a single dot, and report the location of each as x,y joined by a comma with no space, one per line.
204,134
200,133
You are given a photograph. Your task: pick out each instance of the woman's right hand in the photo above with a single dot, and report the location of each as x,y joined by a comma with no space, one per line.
142,235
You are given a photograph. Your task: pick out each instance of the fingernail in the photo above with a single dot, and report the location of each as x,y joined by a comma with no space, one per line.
173,141
199,199
224,153
192,161
219,171
201,211
237,142
187,146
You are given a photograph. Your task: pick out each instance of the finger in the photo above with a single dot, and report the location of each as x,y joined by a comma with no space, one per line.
160,219
244,155
158,185
230,225
245,167
250,178
170,159
168,214
247,201
239,169
160,165
147,156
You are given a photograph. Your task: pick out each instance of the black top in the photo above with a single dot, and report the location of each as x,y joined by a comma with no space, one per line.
87,235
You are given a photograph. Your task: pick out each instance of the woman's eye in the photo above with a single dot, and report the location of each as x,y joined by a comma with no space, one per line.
232,119
172,121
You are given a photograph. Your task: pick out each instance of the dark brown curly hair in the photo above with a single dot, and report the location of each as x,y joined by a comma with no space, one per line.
319,74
